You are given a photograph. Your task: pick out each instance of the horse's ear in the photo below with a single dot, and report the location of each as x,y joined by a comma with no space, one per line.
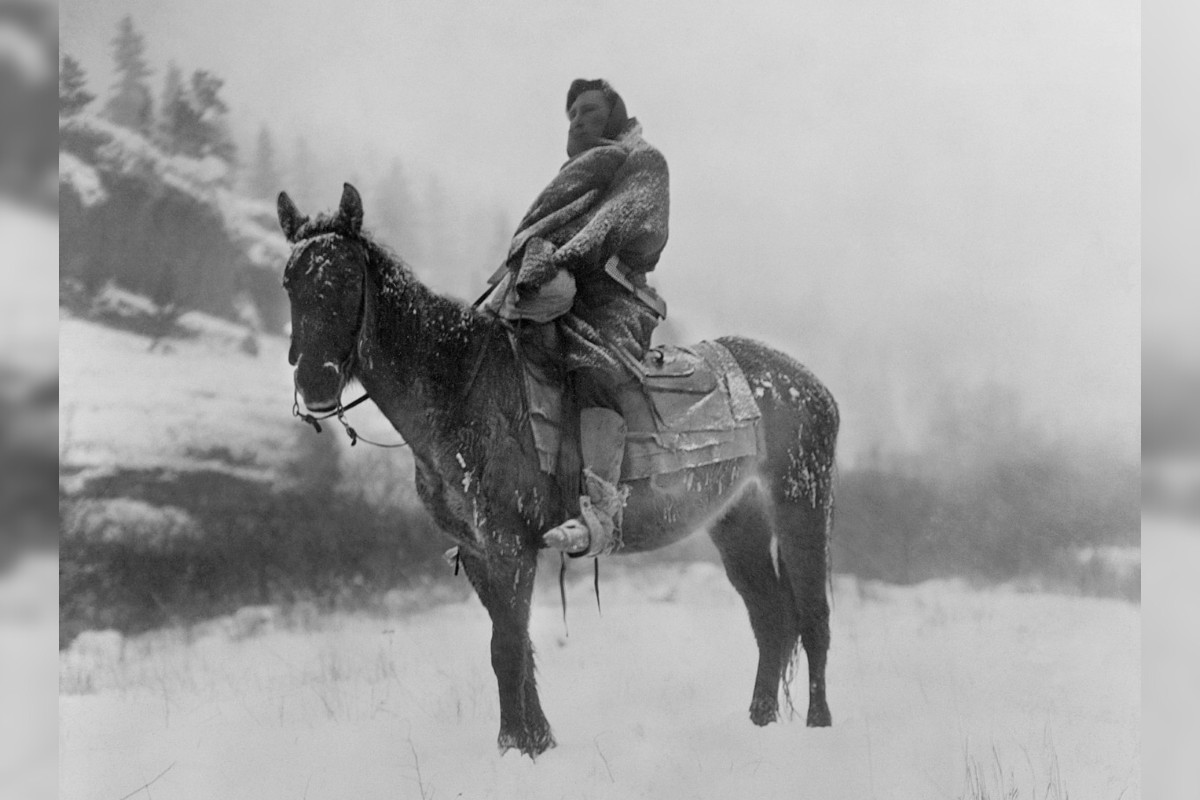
350,211
290,218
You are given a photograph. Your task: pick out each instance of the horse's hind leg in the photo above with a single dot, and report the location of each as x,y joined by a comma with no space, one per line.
803,548
743,537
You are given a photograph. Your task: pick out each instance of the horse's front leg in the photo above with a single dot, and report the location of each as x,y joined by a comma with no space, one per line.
504,582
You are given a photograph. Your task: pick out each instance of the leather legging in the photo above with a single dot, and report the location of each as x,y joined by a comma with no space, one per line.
621,322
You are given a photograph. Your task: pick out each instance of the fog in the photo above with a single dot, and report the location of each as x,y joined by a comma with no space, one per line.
910,197
914,199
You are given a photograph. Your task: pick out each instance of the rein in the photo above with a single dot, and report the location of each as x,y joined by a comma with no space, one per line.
340,413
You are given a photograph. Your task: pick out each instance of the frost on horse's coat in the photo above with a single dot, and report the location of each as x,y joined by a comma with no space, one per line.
445,377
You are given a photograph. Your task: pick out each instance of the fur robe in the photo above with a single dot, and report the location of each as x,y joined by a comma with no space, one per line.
610,200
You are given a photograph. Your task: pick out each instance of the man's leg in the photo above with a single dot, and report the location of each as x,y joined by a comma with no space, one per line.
596,530
626,324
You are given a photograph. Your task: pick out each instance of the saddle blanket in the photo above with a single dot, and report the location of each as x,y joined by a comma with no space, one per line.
693,408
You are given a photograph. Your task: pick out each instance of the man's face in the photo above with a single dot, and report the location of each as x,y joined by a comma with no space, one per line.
587,115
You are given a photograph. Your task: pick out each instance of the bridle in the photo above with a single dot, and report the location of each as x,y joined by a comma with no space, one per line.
340,410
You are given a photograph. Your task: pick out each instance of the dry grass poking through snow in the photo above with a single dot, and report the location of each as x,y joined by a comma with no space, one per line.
996,779
648,700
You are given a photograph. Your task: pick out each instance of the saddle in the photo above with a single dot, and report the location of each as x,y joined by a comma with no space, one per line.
691,407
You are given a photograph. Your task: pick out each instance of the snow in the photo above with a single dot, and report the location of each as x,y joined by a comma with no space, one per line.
927,684
28,271
250,223
1171,655
648,700
127,152
169,408
28,685
81,178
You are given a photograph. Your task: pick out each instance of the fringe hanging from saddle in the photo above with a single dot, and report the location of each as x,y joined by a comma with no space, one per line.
562,587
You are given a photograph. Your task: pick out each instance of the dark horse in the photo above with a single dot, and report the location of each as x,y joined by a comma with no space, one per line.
446,377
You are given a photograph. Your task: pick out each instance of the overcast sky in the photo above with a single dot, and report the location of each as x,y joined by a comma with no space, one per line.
904,195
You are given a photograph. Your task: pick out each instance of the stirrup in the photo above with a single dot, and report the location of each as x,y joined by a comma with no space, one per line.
593,533
572,537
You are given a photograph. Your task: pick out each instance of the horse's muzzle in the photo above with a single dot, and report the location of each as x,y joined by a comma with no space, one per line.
320,387
319,408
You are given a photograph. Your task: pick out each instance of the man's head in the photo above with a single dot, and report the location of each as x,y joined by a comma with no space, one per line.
595,111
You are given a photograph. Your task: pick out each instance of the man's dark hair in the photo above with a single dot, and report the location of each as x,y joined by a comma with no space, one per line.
618,118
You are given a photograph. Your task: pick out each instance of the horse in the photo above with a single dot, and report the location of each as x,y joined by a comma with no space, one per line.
447,378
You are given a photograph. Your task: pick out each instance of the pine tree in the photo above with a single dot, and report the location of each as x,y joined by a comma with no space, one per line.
72,97
265,180
130,104
193,120
169,108
212,111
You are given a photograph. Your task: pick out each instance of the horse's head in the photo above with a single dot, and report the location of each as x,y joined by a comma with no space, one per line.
325,279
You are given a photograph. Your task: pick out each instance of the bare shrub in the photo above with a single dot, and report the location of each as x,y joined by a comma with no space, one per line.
989,497
200,544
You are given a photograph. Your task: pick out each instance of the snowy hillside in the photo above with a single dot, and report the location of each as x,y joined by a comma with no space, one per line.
187,489
122,404
937,692
201,402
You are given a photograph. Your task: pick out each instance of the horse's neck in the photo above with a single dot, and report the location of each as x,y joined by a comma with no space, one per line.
417,354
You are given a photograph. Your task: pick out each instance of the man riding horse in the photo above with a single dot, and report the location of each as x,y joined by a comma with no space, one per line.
576,272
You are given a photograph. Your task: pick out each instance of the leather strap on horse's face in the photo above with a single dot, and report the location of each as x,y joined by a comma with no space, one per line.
366,305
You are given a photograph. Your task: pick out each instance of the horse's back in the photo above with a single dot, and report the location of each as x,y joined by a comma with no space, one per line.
775,376
800,420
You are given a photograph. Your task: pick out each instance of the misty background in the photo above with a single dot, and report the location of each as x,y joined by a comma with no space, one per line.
935,208
920,202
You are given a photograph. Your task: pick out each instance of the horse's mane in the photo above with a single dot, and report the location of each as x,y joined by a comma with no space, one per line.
449,338
323,224
443,327
397,278
394,274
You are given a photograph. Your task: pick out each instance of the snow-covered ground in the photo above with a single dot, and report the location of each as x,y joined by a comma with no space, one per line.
1171,655
198,403
124,405
937,691
933,688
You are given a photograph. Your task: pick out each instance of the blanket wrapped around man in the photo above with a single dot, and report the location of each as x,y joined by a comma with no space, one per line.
612,199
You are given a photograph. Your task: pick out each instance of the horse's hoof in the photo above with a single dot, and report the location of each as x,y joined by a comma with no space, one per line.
764,712
819,717
530,744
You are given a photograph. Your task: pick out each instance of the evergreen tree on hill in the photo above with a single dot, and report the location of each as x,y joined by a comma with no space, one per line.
214,115
194,120
171,96
130,105
72,97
